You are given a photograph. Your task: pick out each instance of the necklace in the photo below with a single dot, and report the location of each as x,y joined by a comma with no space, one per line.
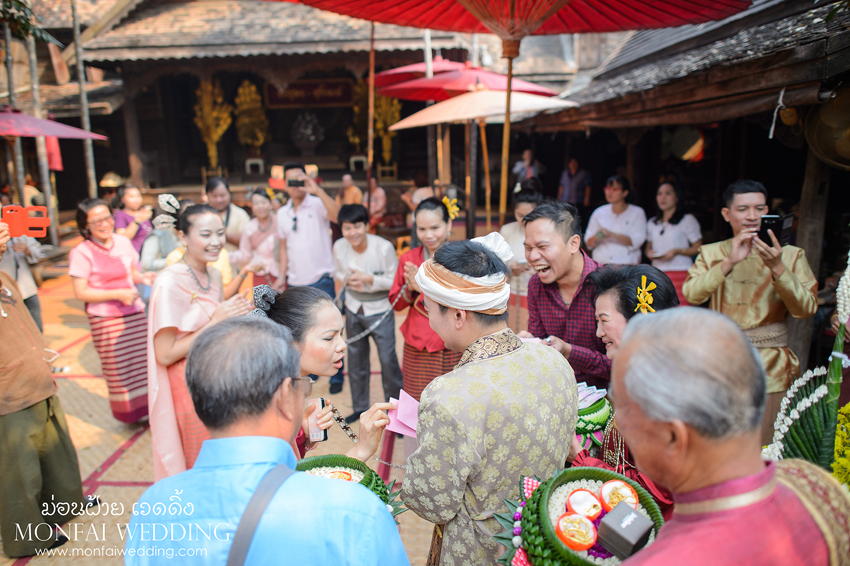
614,448
269,225
201,288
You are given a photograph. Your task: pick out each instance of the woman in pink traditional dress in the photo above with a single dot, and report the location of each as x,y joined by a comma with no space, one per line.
104,274
619,290
257,245
186,298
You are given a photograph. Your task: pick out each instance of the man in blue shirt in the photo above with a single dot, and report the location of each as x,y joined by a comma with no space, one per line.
237,373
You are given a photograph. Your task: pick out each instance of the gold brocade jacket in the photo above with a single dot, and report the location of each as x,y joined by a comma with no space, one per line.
751,297
507,410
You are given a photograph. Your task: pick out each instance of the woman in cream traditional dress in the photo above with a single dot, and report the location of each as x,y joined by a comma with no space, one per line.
186,298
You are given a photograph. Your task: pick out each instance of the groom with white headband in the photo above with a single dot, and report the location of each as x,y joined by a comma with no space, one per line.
508,409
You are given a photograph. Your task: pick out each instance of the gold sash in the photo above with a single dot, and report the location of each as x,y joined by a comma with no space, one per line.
826,500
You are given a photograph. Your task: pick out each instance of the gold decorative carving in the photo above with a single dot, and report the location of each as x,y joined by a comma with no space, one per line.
252,126
212,116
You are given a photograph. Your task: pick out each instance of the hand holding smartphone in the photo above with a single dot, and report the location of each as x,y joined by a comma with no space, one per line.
316,434
779,225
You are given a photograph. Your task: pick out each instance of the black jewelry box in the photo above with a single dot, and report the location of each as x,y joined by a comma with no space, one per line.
624,531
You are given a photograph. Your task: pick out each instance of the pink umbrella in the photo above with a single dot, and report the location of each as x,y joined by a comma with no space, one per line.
415,71
447,85
13,124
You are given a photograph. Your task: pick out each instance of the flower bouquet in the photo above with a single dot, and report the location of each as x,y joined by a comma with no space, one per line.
341,467
533,535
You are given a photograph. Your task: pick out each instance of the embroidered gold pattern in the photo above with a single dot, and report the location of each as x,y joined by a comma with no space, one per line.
494,345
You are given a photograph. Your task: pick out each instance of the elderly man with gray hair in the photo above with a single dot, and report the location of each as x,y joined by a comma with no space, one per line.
690,391
243,377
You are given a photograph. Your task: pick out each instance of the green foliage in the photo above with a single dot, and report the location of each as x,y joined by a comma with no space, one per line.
23,22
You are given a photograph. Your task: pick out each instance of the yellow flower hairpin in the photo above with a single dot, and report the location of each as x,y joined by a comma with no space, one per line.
270,192
451,205
644,296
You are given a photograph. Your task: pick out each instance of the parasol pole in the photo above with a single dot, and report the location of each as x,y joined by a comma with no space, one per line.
18,173
470,214
88,148
482,125
370,132
40,145
510,49
429,131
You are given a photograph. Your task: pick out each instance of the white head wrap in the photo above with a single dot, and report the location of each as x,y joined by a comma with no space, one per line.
488,295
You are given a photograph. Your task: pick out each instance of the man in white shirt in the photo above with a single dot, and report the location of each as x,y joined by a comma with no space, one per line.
366,264
617,230
304,230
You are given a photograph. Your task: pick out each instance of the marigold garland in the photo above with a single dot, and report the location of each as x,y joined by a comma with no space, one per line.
841,466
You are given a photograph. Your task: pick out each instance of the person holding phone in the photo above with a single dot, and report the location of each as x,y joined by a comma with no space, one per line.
103,270
304,230
758,286
673,238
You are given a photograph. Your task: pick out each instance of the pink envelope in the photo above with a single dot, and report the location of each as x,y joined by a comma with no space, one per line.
395,423
408,410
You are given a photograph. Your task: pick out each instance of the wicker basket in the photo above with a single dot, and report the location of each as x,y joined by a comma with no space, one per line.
540,542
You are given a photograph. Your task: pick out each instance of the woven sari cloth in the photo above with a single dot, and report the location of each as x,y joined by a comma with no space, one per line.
121,343
420,367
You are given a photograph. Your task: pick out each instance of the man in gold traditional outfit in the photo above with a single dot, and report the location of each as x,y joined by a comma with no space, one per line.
508,409
758,286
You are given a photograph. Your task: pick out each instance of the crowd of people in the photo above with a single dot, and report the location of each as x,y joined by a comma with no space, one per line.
225,380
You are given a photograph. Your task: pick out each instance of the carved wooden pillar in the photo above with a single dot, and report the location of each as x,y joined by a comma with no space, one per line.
135,156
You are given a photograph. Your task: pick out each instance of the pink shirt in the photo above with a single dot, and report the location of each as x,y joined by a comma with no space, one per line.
107,268
308,241
264,252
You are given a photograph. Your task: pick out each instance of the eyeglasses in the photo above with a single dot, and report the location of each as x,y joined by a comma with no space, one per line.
308,389
294,223
100,221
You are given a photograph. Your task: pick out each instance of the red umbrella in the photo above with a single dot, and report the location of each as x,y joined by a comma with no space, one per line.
538,17
415,71
448,85
512,20
54,154
13,123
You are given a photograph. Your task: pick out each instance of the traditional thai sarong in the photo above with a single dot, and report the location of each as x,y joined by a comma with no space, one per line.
420,367
509,409
176,431
678,279
121,342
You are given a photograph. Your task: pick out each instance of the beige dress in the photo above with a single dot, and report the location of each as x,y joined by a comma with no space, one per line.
508,409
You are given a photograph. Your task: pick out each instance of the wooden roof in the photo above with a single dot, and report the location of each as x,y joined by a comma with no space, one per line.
730,77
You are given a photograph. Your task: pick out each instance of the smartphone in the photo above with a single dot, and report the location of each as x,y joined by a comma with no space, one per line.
780,225
312,171
295,183
316,434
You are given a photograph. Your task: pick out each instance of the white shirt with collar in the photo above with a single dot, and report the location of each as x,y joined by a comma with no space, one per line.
379,261
307,234
631,222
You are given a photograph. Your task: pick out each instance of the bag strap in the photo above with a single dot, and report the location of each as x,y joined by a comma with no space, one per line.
254,512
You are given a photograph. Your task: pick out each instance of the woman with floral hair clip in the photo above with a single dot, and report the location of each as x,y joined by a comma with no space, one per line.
187,297
623,291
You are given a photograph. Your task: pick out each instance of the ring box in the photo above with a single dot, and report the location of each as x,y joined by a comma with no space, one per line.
624,531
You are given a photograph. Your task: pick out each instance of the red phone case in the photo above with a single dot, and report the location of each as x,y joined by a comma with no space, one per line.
22,224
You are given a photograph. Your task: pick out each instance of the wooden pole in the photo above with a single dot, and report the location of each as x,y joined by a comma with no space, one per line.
40,145
439,176
16,173
812,220
446,173
433,169
482,125
467,184
88,148
135,156
506,146
370,135
472,206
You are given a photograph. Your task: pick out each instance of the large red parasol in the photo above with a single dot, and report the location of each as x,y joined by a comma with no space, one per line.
416,71
15,124
516,19
511,20
448,85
